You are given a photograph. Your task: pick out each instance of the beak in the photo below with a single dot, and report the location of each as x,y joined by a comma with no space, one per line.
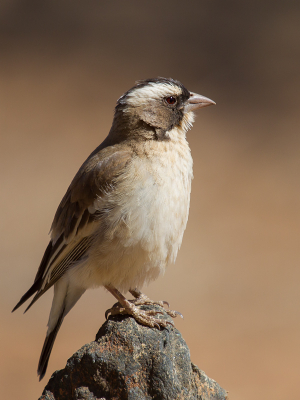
197,101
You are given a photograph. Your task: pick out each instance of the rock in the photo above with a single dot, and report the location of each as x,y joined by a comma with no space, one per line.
131,361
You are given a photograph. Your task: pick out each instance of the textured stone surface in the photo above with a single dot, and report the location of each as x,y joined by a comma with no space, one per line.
130,361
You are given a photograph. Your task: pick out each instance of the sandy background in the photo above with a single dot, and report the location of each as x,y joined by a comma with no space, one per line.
63,66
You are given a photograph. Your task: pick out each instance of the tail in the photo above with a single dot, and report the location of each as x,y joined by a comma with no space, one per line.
65,297
47,348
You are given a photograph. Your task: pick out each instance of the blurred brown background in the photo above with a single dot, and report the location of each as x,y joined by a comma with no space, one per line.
63,65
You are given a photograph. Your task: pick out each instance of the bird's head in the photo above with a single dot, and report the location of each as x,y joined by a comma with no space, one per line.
154,107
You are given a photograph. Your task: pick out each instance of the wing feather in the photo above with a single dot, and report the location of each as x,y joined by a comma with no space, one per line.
76,219
94,179
60,269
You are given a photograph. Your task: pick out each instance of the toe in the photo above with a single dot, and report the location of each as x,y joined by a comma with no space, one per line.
174,314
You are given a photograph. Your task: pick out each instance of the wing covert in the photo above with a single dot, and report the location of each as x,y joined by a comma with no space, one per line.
72,227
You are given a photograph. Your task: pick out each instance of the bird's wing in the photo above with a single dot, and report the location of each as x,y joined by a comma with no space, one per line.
76,218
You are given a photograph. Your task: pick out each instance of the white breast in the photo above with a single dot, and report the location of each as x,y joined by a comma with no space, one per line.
149,209
159,203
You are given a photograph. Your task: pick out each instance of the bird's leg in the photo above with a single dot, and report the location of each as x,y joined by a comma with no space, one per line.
141,299
126,307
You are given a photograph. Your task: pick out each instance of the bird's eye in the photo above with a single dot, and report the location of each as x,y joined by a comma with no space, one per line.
171,100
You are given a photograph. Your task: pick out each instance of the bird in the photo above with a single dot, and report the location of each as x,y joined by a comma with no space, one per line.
122,219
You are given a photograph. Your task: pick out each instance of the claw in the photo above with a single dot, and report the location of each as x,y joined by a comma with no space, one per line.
170,323
166,303
107,312
179,313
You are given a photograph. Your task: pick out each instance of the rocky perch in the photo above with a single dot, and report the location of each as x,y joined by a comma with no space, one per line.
131,361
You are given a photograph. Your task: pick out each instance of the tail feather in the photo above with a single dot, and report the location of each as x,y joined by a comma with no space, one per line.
47,348
65,297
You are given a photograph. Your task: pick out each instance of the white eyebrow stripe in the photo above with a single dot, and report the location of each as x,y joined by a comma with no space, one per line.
153,91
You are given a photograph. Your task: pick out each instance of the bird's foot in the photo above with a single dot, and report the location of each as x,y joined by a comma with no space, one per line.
144,317
142,299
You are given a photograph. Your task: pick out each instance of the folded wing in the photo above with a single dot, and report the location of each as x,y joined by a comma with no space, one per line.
76,218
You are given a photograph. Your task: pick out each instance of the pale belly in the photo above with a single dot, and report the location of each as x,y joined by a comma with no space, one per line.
143,229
